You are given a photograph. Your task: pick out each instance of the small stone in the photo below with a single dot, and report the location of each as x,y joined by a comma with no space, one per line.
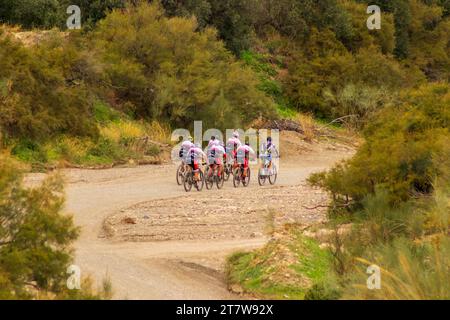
236,289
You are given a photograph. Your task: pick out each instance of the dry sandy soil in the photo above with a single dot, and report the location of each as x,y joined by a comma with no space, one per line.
155,241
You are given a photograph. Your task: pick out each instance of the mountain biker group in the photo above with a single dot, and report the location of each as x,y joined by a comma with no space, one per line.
219,156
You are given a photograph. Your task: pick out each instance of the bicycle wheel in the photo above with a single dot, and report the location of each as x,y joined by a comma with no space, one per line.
236,177
199,184
227,172
220,179
246,180
273,176
261,179
209,179
188,182
180,174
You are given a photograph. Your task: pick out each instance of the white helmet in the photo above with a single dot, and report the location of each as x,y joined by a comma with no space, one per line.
236,134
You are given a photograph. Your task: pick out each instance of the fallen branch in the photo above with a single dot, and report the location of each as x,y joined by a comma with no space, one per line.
328,206
337,120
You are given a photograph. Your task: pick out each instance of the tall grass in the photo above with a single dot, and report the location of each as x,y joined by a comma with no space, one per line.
308,125
408,271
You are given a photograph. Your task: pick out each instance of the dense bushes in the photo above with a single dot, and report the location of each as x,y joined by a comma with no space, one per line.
34,237
162,68
138,62
52,13
407,147
35,99
395,192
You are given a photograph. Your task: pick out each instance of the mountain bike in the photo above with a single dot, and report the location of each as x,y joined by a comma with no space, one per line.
214,175
239,177
267,172
181,171
190,180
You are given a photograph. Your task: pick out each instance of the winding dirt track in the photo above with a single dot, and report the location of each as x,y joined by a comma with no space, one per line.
171,269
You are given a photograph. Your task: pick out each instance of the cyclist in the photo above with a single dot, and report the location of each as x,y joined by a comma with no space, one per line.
215,157
213,142
194,155
243,155
233,145
268,150
185,147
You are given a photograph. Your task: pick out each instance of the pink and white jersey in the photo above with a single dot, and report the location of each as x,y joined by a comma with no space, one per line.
246,149
197,153
218,149
213,143
234,141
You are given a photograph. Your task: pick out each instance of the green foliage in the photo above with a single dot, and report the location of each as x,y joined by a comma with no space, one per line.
269,83
395,192
163,68
34,237
32,13
38,103
52,13
401,149
103,113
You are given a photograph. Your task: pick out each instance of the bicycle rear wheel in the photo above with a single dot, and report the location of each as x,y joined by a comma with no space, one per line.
236,177
227,172
273,177
209,179
220,179
199,184
188,182
246,180
261,179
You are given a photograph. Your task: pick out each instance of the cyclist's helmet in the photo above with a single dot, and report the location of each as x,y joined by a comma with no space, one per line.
247,143
236,134
269,139
213,137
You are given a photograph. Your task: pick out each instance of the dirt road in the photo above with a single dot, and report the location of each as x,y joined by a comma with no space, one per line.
154,241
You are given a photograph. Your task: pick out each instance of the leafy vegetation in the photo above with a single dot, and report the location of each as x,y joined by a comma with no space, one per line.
406,149
35,238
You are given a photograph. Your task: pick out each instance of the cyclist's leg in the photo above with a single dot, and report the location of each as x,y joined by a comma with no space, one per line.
245,166
218,163
196,170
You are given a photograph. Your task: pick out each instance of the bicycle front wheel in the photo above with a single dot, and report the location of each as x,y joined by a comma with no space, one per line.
199,184
180,174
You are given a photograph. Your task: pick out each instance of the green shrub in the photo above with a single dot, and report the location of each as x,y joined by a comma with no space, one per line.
400,152
35,237
163,68
38,102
